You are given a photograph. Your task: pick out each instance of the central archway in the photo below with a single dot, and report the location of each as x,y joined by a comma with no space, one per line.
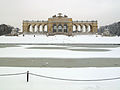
59,28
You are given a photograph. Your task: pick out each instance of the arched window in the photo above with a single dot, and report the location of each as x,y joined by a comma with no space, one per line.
59,28
54,28
65,28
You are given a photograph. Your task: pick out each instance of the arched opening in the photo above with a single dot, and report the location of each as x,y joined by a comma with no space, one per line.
40,28
86,28
36,29
45,28
74,28
89,28
83,28
65,28
30,28
54,28
59,28
79,28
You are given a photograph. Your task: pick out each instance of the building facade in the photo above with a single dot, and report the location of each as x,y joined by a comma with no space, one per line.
59,24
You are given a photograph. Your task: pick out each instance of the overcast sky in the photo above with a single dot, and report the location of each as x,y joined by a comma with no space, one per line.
12,12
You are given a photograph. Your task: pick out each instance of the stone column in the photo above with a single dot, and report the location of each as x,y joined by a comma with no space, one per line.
95,29
42,28
49,28
76,28
81,27
86,28
33,29
91,29
25,27
38,27
62,28
28,28
57,28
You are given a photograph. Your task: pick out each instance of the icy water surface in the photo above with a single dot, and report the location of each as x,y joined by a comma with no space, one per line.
84,48
59,55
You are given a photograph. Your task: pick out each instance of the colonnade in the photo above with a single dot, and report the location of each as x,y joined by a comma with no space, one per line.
50,27
85,26
37,28
82,28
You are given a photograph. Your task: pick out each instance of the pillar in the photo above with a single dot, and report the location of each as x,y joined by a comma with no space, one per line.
62,28
57,28
25,27
42,28
95,29
38,27
76,28
86,28
51,28
81,27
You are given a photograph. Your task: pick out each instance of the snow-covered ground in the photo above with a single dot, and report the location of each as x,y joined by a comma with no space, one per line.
55,51
59,51
38,83
60,39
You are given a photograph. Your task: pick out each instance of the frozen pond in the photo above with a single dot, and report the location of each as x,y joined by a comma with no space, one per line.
72,55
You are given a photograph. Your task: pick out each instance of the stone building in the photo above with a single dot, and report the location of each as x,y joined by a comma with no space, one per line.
59,24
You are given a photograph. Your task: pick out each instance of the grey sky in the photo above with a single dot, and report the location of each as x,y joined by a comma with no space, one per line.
12,12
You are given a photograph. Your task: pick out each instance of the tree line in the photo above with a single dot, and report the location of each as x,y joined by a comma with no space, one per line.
114,29
5,29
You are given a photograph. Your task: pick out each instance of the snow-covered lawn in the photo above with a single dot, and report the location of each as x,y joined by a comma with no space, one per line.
55,51
60,39
38,83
